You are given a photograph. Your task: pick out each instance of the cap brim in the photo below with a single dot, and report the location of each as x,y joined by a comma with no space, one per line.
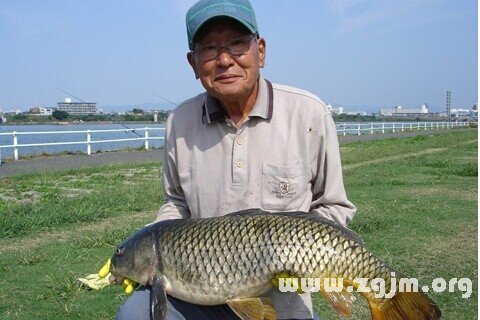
239,20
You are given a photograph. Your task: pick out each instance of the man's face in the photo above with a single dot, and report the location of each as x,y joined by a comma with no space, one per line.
227,77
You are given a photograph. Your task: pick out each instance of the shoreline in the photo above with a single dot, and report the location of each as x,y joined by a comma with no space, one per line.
66,162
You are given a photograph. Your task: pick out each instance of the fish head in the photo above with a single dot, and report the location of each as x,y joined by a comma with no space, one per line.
135,258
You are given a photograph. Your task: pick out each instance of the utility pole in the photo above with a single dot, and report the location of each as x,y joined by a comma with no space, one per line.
449,104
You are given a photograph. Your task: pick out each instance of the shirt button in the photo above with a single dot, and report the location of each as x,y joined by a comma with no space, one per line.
240,141
239,164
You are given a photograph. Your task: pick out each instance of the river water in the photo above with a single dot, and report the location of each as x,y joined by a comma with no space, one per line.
6,140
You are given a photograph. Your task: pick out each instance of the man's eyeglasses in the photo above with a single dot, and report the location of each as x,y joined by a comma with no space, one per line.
235,47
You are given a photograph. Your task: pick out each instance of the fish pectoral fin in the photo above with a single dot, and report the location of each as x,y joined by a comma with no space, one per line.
341,301
268,309
253,308
158,299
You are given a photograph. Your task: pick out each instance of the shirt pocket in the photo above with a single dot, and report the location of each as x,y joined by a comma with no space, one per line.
284,188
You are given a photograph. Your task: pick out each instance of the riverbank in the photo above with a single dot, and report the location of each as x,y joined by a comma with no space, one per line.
66,162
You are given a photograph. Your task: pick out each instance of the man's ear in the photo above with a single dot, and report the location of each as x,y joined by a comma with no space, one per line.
262,52
193,63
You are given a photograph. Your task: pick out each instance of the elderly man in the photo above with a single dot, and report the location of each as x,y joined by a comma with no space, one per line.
244,143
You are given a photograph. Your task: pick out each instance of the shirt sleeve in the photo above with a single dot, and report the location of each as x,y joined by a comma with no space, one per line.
329,196
175,206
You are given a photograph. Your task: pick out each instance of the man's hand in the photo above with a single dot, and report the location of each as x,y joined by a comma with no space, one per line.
127,284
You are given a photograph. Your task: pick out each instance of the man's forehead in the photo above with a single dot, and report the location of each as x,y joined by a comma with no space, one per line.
220,25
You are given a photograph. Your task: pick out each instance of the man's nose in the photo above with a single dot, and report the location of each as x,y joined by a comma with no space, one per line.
224,58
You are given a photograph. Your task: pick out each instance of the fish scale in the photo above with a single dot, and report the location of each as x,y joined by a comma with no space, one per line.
216,260
246,242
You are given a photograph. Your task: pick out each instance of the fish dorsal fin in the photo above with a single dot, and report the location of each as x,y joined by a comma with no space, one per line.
348,233
253,211
341,301
253,308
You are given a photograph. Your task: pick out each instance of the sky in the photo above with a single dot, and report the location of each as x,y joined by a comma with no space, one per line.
360,54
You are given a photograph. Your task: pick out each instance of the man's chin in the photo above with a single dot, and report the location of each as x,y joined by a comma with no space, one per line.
229,91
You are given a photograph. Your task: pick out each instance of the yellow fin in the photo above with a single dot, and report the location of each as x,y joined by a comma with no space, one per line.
253,308
268,309
341,301
406,305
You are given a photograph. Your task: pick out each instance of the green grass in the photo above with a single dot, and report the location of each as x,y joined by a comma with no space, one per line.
416,210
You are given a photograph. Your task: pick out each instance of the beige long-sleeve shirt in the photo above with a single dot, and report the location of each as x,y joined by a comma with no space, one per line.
284,157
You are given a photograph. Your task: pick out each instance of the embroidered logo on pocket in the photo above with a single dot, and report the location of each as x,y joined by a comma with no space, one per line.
284,189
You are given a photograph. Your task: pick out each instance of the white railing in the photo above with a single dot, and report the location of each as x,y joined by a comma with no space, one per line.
88,139
393,127
342,129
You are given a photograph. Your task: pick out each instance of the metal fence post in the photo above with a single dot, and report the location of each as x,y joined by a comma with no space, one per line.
146,138
344,129
402,126
393,128
15,148
89,140
371,128
418,125
383,127
358,130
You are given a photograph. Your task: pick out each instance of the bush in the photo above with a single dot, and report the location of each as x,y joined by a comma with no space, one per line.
60,115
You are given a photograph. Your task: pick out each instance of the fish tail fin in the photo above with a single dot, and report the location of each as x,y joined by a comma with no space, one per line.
406,305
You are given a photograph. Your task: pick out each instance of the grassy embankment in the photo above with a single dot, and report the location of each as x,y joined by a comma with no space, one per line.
417,209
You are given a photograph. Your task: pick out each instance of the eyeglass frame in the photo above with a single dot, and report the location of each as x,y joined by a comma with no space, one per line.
218,47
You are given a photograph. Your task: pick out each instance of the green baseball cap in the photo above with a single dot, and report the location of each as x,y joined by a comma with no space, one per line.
205,10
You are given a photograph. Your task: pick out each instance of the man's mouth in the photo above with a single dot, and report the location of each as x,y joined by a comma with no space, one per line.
227,78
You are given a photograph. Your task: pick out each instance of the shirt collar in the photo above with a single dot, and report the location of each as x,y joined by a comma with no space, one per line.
263,107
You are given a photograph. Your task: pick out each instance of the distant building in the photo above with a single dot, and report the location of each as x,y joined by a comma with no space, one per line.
78,108
399,110
459,112
474,112
13,112
334,110
40,111
356,113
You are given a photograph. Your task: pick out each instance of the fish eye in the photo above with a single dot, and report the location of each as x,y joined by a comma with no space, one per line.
120,250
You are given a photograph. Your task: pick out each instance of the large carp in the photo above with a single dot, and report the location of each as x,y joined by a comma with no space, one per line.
236,259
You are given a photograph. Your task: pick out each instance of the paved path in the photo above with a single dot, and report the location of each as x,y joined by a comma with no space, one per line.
61,163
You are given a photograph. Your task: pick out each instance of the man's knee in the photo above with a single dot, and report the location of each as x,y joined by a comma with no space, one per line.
137,307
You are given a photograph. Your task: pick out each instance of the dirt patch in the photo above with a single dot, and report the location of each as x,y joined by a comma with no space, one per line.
443,191
465,241
23,198
7,198
74,192
402,156
63,235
